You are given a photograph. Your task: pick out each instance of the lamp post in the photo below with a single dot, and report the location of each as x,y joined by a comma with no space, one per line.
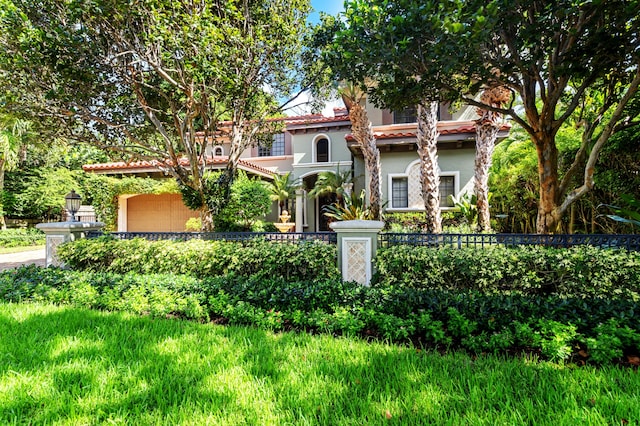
72,204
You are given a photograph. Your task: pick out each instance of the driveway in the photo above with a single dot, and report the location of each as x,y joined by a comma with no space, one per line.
13,260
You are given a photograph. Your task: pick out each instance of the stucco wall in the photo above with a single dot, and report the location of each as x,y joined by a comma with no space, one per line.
459,162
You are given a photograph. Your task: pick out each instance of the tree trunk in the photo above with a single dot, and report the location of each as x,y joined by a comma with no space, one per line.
548,213
486,134
363,133
427,139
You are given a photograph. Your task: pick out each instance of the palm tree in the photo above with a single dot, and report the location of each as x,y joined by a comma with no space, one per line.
337,183
362,131
12,133
282,189
487,128
427,141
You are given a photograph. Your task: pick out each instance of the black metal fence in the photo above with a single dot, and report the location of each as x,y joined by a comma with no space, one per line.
629,242
290,237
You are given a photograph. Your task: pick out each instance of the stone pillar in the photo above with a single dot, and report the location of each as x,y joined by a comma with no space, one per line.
357,246
299,212
62,232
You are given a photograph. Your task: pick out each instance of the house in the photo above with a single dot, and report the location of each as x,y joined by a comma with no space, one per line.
314,143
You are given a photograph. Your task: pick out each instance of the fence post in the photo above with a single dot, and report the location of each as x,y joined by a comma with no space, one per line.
61,232
357,245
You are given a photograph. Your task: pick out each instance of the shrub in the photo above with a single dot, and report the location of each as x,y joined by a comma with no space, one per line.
301,261
21,237
576,272
252,285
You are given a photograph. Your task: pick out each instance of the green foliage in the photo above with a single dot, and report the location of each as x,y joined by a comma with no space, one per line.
332,183
627,215
466,204
580,271
556,326
145,94
282,189
557,339
193,224
249,201
305,260
21,237
40,194
102,193
353,208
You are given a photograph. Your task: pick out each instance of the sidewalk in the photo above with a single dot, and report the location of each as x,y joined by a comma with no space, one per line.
13,260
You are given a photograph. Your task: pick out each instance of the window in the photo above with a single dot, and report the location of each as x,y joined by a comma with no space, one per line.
447,188
276,148
407,115
218,151
322,151
399,192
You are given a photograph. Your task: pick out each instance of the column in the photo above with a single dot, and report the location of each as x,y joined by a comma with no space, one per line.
299,212
61,232
357,246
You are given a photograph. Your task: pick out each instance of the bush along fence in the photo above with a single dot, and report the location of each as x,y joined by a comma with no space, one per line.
577,304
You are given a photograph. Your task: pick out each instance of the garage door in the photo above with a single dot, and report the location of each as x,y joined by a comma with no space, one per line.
157,213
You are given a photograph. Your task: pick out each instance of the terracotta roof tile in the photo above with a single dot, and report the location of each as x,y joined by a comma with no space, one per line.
466,128
154,164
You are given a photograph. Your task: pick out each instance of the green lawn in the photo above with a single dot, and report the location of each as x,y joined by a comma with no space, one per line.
69,366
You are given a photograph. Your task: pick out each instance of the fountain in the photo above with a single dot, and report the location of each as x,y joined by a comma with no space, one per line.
284,225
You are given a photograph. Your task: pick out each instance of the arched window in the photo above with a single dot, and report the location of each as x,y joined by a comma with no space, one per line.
218,151
322,150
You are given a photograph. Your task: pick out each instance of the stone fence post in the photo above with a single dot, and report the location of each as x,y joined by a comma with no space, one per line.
357,246
62,232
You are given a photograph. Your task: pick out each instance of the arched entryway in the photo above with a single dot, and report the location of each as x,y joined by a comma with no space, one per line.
317,220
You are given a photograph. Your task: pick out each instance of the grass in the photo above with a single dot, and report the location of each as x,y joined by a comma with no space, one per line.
70,366
20,249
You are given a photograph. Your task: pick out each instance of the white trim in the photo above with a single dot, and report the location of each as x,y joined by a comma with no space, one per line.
324,169
216,148
314,149
390,176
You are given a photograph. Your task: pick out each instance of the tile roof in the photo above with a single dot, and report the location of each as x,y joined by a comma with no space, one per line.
154,164
462,128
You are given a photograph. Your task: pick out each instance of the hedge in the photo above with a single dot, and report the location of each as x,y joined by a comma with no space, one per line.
260,258
556,327
21,237
580,271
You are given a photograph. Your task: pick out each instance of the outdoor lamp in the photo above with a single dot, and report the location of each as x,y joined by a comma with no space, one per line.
72,204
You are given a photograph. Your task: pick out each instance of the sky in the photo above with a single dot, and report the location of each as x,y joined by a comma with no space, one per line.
331,7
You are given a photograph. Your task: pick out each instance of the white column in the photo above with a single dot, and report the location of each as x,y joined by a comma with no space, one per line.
357,246
61,232
299,212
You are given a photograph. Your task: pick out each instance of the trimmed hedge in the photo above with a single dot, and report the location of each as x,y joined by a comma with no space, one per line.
580,271
555,302
259,258
557,327
21,237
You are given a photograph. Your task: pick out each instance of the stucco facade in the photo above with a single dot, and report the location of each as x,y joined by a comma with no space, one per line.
315,143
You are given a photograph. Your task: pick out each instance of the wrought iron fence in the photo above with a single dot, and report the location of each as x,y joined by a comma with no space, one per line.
289,237
629,242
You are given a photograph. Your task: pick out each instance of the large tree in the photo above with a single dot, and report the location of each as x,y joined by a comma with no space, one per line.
157,80
567,61
399,46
